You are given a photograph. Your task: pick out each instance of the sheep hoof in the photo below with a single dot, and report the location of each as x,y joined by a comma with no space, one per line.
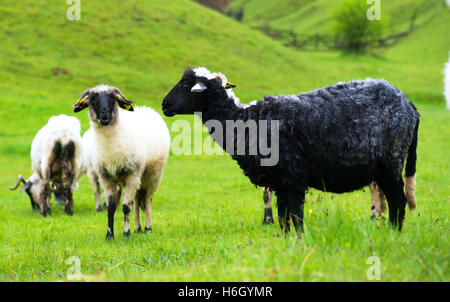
268,220
99,208
109,236
138,230
148,229
268,216
127,234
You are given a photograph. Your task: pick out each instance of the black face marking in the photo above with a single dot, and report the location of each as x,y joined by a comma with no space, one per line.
104,106
180,100
34,205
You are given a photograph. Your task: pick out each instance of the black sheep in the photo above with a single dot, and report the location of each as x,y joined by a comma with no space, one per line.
337,138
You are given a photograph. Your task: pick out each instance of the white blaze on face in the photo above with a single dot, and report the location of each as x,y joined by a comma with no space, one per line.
202,72
205,73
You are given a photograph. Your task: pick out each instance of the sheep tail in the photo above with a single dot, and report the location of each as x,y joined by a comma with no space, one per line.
410,171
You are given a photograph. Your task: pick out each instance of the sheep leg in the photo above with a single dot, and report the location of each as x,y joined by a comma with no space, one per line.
296,205
283,212
110,192
68,187
137,220
118,194
68,197
96,187
140,200
268,216
410,187
148,211
397,211
378,201
392,186
44,197
129,198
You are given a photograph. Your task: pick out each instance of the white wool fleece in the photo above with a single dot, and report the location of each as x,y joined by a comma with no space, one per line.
60,128
135,138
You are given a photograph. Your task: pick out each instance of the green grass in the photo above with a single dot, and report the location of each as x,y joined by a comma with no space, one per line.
309,17
206,215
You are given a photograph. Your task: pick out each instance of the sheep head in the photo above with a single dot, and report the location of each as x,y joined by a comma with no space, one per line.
192,92
33,187
103,102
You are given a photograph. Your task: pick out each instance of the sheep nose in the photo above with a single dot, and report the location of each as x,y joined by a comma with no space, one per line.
104,120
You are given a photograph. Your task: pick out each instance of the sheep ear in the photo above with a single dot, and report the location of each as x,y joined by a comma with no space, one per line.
125,104
81,104
199,87
223,79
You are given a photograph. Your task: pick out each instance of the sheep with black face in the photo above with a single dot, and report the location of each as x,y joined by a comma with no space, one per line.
56,159
338,138
128,149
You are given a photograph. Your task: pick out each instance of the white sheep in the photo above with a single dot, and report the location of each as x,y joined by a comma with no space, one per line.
56,158
128,148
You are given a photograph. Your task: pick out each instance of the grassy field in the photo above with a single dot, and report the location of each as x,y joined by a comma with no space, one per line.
308,17
207,215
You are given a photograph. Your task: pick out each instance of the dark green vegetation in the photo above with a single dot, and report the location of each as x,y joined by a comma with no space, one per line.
206,215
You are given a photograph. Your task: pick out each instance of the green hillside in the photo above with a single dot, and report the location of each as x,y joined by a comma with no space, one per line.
206,215
309,17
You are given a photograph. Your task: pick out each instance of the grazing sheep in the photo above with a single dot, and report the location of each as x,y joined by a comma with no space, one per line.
128,148
337,139
447,83
56,159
